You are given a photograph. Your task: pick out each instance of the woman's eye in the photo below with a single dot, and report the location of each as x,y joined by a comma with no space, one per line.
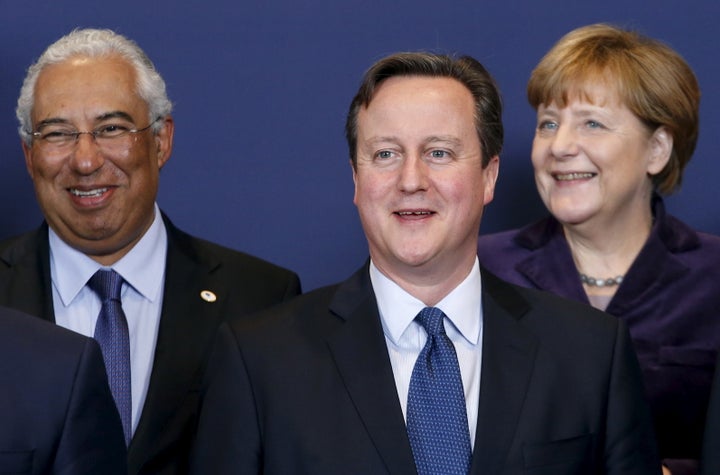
547,125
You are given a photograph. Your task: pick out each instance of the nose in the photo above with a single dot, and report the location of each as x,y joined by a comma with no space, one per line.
413,174
86,156
564,142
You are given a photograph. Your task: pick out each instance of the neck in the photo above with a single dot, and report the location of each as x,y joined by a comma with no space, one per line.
428,285
603,250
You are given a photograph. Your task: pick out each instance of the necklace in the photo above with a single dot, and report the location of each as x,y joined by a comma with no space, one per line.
593,282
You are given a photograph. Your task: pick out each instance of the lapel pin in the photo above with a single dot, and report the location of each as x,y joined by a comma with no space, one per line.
208,296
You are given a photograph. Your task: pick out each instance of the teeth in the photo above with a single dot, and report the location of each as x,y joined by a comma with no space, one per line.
413,213
86,194
573,176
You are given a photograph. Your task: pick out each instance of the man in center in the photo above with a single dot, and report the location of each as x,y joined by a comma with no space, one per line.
422,362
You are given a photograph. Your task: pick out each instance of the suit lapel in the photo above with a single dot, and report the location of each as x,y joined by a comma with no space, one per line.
550,267
187,326
507,364
641,287
28,286
360,352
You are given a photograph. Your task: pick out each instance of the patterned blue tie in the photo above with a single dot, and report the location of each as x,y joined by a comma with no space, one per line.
111,332
436,415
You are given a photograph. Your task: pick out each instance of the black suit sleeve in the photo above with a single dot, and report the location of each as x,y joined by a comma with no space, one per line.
710,464
630,440
92,440
228,436
293,289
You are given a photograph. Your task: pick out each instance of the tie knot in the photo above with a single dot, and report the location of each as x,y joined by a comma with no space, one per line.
431,318
106,284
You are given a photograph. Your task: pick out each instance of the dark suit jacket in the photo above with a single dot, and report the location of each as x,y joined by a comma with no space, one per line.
243,285
56,411
710,463
308,388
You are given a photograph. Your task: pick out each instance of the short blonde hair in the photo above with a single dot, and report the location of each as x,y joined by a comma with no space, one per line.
649,77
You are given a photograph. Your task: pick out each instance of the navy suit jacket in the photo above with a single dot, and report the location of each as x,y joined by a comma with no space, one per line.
56,411
243,284
308,388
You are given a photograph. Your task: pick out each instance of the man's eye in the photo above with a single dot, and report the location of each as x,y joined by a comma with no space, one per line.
438,154
384,154
57,135
111,130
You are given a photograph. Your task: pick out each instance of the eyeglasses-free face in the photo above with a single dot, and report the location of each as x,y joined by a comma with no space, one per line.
97,192
420,186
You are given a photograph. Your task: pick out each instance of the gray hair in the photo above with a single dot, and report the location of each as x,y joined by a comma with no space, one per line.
95,43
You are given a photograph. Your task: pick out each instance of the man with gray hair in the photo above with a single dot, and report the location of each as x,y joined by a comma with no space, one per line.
96,129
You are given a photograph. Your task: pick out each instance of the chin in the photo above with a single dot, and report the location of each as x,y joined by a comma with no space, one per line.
571,218
414,259
571,214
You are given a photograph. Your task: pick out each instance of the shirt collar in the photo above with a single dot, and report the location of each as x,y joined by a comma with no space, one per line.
70,269
398,309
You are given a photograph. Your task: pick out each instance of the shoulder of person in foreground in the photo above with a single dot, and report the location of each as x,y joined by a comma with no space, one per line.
710,461
585,373
228,438
64,418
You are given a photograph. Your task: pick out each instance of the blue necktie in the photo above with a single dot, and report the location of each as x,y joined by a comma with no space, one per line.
436,415
111,332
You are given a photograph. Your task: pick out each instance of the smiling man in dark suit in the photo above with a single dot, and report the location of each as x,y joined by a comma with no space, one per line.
96,130
422,362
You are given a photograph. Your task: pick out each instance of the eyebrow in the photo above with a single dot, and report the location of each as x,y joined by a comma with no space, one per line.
431,139
444,138
102,117
115,115
382,139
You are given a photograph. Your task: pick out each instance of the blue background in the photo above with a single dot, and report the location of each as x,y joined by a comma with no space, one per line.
261,90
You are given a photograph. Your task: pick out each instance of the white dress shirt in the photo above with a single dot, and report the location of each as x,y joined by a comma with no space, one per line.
77,306
405,338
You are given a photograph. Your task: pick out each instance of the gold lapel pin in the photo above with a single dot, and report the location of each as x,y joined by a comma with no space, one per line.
208,296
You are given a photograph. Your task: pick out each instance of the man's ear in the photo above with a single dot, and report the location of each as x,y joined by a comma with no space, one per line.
490,172
164,140
27,151
354,176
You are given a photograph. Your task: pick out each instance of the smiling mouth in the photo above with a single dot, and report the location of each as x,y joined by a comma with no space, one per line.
413,213
573,176
89,193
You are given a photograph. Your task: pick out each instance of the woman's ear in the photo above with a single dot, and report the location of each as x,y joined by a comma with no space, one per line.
661,147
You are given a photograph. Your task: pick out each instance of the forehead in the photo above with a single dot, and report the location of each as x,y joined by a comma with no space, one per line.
598,92
417,101
415,89
85,86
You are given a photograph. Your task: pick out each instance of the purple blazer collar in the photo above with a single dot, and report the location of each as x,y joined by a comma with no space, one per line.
551,267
